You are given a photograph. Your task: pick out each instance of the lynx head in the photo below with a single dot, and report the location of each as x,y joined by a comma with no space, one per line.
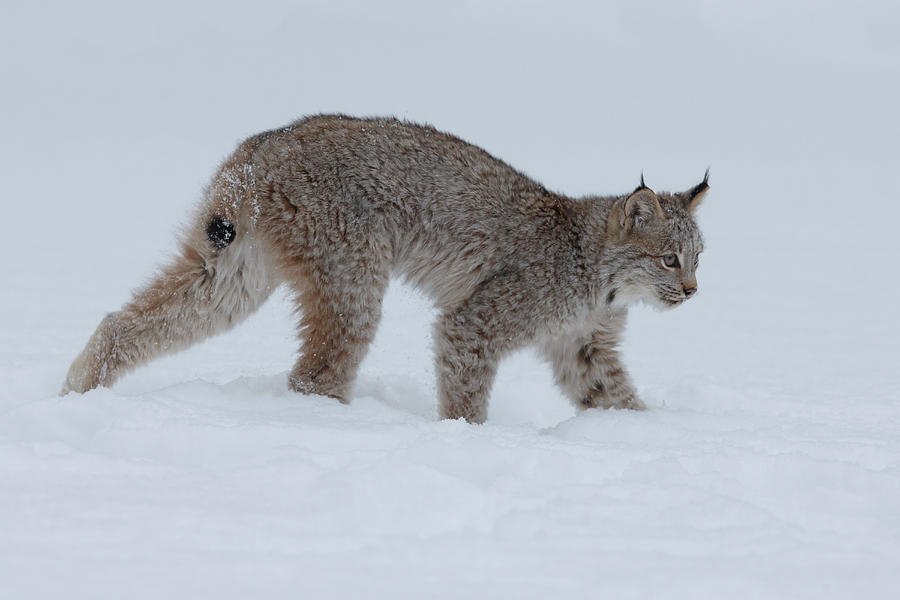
658,245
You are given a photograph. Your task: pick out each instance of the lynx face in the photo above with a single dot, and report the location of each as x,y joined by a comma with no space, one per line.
661,245
671,265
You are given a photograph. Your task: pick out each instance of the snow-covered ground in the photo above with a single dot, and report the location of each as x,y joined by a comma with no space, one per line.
768,465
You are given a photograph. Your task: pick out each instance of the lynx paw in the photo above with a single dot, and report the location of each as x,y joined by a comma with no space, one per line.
599,397
79,378
309,385
632,403
99,362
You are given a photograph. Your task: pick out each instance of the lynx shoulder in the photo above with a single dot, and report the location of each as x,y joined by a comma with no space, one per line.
334,206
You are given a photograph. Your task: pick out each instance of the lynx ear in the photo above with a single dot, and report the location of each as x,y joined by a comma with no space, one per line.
639,209
693,196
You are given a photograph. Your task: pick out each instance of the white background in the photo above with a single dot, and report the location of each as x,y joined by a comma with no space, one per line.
768,464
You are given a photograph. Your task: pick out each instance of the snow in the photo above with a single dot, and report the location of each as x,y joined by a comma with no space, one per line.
768,464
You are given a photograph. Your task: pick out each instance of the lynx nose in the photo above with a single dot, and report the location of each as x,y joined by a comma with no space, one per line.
690,291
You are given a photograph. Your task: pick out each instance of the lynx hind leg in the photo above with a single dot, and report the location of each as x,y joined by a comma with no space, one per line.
218,279
338,320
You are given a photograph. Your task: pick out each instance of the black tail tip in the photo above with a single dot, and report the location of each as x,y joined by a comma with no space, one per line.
220,232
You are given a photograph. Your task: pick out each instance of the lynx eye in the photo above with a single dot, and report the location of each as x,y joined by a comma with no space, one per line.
671,261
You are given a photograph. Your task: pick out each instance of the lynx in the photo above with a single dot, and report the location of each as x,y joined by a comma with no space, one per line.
333,206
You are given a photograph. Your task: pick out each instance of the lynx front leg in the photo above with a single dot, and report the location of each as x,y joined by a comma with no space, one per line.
465,367
589,370
471,339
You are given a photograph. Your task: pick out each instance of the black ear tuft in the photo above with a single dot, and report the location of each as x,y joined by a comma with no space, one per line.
220,232
643,185
693,196
700,187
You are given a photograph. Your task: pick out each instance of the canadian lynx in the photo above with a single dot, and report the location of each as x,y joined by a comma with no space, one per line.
333,206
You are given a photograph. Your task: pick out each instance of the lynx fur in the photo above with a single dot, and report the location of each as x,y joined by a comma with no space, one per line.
334,206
